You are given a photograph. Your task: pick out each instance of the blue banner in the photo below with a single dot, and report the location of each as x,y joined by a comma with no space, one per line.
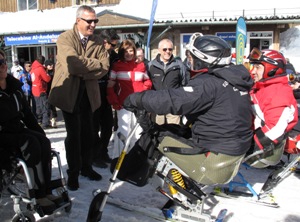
241,40
229,37
30,39
154,5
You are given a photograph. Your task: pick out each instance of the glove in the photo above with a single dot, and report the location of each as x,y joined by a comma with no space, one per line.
143,118
134,102
127,104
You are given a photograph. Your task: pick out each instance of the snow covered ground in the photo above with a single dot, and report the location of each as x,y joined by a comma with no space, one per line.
286,194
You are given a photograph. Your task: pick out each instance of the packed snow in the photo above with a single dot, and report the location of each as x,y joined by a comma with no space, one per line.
286,194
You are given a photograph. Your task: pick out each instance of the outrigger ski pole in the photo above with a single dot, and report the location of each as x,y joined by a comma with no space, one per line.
98,203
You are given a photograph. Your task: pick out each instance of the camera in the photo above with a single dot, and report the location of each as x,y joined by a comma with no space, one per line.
294,77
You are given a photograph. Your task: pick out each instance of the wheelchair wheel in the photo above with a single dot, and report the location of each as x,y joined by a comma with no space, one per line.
27,217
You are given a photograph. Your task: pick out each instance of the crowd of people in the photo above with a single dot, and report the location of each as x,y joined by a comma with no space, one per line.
97,75
36,77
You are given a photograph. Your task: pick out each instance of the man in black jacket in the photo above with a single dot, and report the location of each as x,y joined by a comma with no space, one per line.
167,72
216,99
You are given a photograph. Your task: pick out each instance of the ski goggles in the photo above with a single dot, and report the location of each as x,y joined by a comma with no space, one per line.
257,56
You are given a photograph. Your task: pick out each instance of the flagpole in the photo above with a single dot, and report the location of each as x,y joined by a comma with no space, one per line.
154,5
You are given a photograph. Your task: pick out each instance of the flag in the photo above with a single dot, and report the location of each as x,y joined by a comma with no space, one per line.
154,5
241,39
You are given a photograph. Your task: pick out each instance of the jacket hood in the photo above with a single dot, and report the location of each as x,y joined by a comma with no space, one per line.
236,75
36,64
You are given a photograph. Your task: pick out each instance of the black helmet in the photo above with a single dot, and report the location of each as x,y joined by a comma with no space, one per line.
209,51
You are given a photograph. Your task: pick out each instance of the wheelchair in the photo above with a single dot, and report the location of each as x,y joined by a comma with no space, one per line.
15,180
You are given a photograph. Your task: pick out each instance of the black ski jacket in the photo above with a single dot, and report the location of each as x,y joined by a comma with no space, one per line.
170,75
15,112
219,104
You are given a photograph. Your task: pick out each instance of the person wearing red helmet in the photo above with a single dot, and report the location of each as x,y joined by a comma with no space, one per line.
274,106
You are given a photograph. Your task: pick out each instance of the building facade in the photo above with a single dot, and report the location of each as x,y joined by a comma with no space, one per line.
29,39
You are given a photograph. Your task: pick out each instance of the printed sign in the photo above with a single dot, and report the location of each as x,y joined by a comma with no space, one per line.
30,39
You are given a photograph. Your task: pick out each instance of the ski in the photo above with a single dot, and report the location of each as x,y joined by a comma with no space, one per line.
221,215
244,196
138,209
157,214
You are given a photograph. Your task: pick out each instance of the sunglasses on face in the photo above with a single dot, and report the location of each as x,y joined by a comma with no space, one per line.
165,49
112,45
90,21
2,61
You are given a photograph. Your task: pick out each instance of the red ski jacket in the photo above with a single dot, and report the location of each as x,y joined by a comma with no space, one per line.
40,78
130,77
275,109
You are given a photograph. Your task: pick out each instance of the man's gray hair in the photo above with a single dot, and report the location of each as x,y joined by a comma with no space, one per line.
82,9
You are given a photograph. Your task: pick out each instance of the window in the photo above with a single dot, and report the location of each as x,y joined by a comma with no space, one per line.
27,5
85,2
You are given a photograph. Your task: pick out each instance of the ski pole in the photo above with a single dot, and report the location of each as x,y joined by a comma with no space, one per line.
99,201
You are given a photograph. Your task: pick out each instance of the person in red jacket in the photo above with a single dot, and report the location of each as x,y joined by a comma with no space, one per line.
126,77
40,78
273,102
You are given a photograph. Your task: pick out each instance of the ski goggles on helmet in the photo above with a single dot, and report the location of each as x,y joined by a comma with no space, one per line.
257,56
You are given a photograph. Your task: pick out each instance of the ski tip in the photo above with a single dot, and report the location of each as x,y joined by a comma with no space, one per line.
168,213
221,215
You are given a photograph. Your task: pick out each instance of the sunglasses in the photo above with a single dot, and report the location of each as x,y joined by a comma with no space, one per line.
90,21
165,49
113,45
2,61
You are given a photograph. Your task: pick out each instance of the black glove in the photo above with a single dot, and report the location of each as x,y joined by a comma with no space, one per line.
133,102
127,104
143,118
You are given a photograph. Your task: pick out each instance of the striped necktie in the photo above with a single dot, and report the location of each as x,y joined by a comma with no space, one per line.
84,41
